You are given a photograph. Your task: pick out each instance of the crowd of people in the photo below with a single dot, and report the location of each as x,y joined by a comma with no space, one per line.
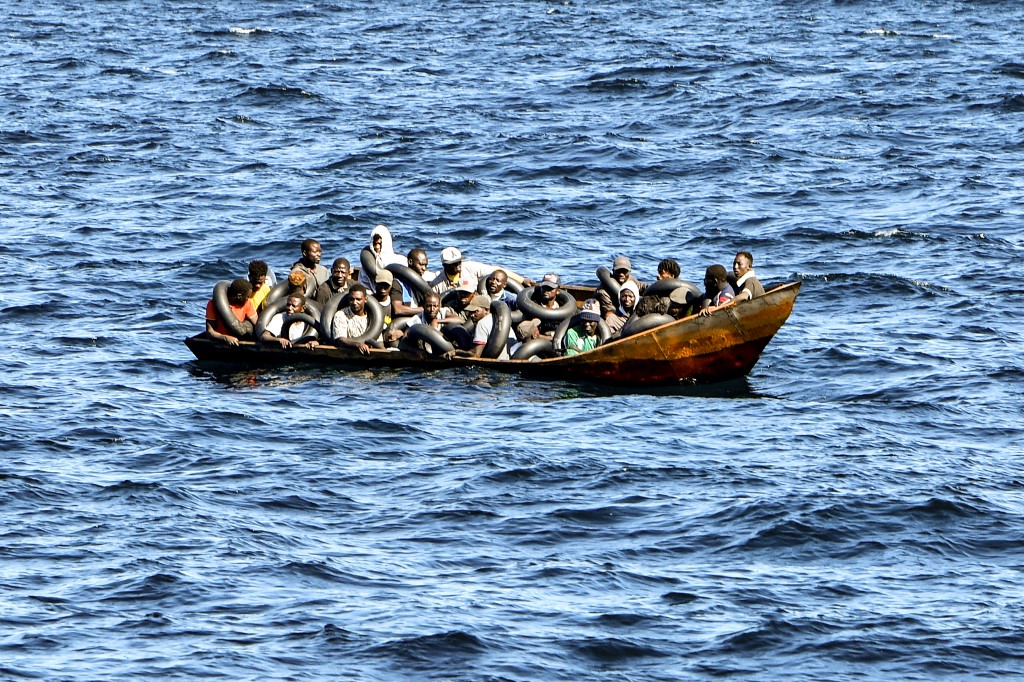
457,303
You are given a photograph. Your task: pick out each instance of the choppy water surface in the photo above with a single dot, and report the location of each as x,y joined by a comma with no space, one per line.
851,510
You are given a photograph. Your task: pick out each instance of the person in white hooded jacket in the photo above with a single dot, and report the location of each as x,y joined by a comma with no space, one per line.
381,252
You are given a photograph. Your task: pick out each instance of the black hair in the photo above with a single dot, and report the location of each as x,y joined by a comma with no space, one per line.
669,266
258,268
239,287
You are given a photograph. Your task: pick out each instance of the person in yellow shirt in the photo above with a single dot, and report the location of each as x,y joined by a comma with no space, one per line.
258,279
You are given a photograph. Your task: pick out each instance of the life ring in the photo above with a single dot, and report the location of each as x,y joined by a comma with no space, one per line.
410,343
368,261
239,328
301,317
374,325
541,347
609,283
412,281
532,309
558,338
327,315
636,325
497,340
311,309
276,293
664,287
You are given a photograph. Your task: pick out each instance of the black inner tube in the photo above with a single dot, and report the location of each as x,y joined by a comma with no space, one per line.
411,280
497,340
664,287
374,325
609,283
368,260
311,309
636,325
531,309
417,333
541,347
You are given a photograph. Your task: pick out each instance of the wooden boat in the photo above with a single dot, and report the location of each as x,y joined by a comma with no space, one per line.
719,347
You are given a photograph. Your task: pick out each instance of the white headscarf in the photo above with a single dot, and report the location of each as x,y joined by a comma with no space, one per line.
386,257
631,285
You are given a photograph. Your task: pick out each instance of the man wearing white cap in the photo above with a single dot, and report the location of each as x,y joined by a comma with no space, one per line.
460,272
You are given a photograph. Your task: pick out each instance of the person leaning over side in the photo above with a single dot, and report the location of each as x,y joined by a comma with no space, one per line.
718,293
241,307
275,331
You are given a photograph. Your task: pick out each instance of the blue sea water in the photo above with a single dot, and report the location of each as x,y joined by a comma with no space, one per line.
851,510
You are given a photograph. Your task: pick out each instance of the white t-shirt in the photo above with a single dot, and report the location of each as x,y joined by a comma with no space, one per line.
295,331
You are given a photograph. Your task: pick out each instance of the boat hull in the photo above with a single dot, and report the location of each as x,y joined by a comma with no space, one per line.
719,347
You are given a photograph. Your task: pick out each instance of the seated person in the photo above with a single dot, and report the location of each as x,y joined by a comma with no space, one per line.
496,291
544,294
338,283
622,272
582,336
628,296
388,292
746,284
275,330
433,314
352,321
479,310
463,295
418,262
668,269
309,265
459,272
258,272
381,250
717,291
241,307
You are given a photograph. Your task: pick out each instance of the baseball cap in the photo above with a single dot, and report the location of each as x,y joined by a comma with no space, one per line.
478,302
622,263
449,255
550,280
384,276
